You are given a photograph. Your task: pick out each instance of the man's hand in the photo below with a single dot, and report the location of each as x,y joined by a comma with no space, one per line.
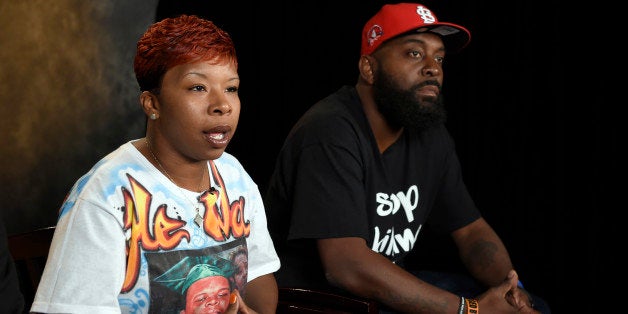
520,299
507,297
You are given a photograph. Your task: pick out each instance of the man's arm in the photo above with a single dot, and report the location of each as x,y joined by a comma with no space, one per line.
261,294
486,258
350,264
482,252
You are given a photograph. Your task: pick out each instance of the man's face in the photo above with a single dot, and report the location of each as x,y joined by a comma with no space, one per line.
403,108
207,295
407,77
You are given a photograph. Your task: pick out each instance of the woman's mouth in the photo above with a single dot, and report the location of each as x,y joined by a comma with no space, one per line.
218,136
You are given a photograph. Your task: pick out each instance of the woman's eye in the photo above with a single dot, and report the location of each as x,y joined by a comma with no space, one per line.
233,89
198,88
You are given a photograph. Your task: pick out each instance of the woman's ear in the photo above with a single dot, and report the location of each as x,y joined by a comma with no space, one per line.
150,105
366,67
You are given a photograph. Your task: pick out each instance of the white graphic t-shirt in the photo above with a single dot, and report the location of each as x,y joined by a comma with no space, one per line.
128,240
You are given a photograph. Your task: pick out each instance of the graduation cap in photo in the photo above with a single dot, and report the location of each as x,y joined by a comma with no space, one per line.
192,268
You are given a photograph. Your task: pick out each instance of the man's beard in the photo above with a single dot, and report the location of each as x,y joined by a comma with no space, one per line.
403,108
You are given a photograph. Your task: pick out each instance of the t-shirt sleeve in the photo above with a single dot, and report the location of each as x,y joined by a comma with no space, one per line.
263,258
88,246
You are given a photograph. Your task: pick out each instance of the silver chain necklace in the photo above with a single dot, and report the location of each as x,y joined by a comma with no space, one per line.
198,219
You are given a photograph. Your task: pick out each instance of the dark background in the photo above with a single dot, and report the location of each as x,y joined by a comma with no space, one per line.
528,108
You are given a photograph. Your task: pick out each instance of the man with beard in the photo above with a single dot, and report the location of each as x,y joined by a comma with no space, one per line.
366,168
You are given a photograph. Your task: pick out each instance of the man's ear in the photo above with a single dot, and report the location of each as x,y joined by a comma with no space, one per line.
149,104
367,67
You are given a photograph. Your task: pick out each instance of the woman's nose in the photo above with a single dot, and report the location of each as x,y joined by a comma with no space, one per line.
220,106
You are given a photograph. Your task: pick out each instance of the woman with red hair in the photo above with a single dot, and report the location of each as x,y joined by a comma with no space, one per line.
174,195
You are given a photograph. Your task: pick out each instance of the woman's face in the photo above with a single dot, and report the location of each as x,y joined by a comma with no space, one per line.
199,108
208,295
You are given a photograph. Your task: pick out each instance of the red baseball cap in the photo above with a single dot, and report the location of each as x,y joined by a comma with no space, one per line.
393,20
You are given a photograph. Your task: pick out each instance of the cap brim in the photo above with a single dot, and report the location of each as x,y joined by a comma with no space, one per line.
455,37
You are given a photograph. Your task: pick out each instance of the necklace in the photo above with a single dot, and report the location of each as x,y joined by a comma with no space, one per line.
198,219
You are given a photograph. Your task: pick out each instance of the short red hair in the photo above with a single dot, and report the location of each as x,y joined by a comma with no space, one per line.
179,40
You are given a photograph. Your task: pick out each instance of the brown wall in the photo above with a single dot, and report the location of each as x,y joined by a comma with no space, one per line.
67,97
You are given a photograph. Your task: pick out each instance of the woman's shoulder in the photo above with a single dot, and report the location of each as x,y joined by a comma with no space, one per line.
229,165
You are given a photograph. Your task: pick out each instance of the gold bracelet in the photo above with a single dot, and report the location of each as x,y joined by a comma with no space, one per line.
473,307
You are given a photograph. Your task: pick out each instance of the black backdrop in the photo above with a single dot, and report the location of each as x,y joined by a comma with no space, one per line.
528,101
537,142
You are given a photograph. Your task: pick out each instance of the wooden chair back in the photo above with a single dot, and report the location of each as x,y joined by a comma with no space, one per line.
300,300
30,251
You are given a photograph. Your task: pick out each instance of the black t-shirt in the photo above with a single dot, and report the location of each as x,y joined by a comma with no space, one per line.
331,181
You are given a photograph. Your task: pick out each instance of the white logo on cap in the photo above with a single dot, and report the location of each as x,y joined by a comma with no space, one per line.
426,15
374,34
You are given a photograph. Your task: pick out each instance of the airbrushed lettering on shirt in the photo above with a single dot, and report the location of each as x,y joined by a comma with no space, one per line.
220,222
389,241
